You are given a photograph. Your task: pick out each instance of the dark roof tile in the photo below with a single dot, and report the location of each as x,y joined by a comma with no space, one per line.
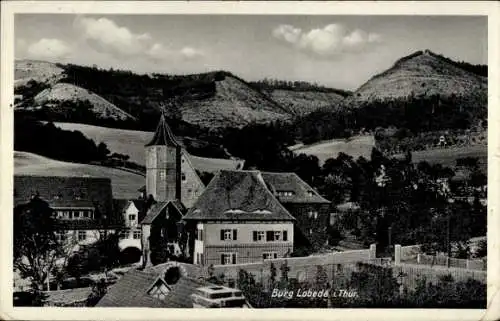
239,196
66,191
131,291
291,182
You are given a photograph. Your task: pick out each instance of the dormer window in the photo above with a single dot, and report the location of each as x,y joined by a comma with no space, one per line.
285,193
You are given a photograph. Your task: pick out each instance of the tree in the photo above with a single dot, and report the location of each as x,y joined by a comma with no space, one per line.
35,244
159,249
284,272
99,289
273,274
102,150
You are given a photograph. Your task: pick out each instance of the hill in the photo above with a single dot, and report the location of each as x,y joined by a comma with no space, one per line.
124,184
58,95
35,70
300,97
131,143
233,104
211,100
305,102
422,73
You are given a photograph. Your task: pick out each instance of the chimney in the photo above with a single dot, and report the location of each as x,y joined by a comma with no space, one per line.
216,296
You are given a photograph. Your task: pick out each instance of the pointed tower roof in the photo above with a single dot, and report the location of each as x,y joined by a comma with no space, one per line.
163,135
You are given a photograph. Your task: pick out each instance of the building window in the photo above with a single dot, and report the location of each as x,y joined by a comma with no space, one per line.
86,214
259,236
274,236
124,234
285,193
160,291
312,214
228,258
227,235
310,193
61,236
285,235
183,177
82,235
269,255
131,217
199,235
310,231
60,214
137,235
163,174
76,214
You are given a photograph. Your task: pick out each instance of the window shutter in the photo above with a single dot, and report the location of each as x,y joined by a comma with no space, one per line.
222,259
234,258
222,235
255,236
235,235
285,235
269,236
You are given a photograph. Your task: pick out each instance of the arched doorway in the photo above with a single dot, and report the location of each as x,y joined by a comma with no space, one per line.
130,255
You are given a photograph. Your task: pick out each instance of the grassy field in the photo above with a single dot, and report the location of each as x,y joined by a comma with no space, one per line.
448,156
131,143
355,147
362,146
125,184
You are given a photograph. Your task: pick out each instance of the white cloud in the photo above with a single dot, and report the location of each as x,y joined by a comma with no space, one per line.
330,40
49,48
106,36
191,53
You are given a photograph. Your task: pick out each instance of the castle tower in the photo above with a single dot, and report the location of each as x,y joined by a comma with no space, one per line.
163,164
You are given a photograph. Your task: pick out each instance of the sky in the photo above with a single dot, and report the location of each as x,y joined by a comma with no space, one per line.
336,51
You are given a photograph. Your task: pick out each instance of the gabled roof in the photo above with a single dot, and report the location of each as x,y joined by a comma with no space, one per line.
139,204
132,291
68,296
291,182
163,135
238,195
119,205
158,207
71,191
